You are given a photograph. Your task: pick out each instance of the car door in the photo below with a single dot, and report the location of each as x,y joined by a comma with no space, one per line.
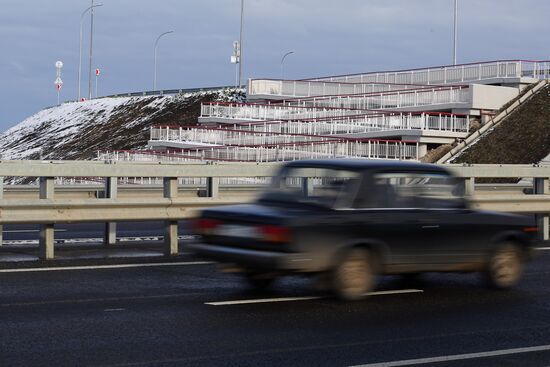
423,218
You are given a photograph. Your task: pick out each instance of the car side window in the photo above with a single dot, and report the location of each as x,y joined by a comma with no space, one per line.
412,190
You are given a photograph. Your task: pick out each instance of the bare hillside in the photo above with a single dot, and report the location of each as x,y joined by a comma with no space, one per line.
76,130
522,138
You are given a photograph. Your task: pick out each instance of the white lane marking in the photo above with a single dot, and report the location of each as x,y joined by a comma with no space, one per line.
291,299
94,267
457,357
113,309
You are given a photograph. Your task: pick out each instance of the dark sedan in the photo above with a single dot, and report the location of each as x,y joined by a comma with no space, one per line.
346,221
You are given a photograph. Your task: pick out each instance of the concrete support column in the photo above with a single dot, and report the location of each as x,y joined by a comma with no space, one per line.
171,245
469,186
212,187
422,150
111,189
46,240
541,187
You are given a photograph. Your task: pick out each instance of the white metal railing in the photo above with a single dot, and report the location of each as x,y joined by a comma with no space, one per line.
390,100
261,112
307,88
276,132
373,149
453,74
363,123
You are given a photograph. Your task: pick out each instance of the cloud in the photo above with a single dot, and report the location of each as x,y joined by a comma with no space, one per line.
327,36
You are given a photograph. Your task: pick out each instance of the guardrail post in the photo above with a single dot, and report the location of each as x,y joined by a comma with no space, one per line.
46,241
109,237
540,187
170,227
212,187
469,186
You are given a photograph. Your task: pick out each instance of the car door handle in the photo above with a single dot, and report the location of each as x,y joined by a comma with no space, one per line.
428,226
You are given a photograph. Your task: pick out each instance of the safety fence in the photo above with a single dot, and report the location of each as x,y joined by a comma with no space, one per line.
48,209
262,112
270,88
319,149
424,97
354,124
453,74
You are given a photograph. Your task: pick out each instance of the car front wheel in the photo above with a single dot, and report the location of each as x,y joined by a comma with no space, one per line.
505,266
354,275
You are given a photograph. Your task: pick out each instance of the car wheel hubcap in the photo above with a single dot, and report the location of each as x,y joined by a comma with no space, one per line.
506,267
354,276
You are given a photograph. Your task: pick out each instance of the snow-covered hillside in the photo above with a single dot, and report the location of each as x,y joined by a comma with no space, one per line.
76,130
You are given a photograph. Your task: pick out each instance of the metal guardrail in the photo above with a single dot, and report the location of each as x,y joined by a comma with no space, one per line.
411,98
306,88
263,112
48,210
453,74
161,92
338,105
273,151
354,124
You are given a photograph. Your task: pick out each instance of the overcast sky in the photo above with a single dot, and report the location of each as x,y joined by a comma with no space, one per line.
327,36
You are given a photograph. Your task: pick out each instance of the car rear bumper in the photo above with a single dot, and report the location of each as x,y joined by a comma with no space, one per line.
268,260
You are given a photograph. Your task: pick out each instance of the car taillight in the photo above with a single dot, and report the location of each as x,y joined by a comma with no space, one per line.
530,229
205,225
275,233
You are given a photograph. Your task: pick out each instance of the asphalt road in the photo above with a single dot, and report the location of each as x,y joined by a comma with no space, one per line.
179,315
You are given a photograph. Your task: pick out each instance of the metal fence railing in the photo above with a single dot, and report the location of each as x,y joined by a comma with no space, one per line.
269,132
453,74
308,88
424,97
262,112
332,148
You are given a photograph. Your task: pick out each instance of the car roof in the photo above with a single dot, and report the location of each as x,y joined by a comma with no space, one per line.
357,164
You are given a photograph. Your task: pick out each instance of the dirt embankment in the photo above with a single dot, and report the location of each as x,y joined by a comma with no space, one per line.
522,138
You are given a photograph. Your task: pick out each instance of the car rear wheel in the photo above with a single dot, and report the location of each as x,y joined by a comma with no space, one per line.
354,275
505,266
259,281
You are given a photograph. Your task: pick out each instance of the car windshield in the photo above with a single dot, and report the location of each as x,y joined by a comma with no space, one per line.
319,186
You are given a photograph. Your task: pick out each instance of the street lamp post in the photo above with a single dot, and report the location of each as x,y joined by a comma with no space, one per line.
80,47
455,32
282,63
91,50
155,68
241,45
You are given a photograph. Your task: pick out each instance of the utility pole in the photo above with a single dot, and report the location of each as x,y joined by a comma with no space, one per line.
91,48
455,32
241,45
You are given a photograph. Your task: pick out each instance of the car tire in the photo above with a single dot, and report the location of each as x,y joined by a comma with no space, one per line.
354,275
259,281
505,266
